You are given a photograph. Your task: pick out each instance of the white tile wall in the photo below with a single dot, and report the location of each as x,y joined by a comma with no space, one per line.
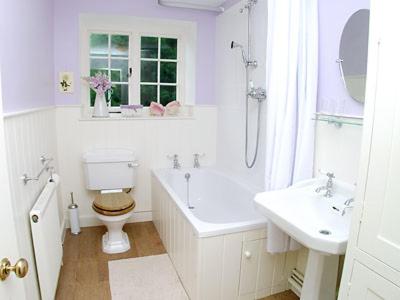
230,91
151,139
338,150
28,136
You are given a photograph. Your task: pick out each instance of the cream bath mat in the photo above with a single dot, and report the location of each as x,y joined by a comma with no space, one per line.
145,278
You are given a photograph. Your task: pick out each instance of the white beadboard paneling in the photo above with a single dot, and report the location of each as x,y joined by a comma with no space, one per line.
28,136
231,272
152,139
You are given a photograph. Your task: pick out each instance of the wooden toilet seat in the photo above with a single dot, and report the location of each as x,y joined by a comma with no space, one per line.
113,204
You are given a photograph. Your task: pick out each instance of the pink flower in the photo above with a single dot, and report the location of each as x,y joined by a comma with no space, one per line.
100,83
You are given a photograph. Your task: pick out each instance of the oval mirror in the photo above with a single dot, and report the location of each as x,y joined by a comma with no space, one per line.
353,54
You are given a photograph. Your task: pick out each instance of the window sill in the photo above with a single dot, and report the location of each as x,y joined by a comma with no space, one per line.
118,117
186,113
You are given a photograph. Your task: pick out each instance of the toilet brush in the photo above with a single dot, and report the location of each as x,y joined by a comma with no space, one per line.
74,216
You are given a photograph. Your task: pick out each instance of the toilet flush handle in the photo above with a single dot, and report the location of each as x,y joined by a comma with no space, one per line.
135,164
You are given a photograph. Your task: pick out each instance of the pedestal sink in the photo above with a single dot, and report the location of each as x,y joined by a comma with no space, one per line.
319,223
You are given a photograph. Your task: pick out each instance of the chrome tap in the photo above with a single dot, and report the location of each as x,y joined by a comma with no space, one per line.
196,161
176,164
347,205
328,187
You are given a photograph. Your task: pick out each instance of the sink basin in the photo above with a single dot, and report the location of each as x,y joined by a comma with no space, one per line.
320,223
310,218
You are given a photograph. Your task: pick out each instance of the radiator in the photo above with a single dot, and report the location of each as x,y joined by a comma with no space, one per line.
46,235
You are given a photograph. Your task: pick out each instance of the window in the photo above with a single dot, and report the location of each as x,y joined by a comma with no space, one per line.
109,54
147,59
158,70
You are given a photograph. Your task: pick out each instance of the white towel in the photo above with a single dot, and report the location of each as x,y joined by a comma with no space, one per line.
278,241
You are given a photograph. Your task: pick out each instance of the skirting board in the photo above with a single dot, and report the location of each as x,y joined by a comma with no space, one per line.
89,221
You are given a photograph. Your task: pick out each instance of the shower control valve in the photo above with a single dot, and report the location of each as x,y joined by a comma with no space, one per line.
259,94
251,63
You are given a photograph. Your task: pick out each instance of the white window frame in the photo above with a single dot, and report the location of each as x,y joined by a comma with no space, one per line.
135,27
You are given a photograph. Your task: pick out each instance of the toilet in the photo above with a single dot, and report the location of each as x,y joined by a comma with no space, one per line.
111,172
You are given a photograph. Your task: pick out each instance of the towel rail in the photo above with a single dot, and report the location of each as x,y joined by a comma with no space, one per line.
45,161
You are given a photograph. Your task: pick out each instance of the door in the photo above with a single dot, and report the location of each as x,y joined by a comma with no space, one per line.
369,285
12,287
379,232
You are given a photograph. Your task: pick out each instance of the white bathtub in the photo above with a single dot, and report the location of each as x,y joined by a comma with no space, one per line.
217,248
221,205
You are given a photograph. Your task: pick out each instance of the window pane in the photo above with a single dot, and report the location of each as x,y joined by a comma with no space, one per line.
167,94
168,72
148,93
119,70
148,71
149,47
98,65
119,94
98,44
92,97
169,48
119,45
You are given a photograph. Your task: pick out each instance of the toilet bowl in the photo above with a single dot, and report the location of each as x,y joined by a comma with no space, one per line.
109,172
113,210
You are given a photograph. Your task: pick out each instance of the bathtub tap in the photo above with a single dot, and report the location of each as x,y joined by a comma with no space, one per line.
196,162
176,164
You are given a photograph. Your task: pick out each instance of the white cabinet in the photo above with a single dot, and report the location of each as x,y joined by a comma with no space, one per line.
369,285
379,235
372,266
262,273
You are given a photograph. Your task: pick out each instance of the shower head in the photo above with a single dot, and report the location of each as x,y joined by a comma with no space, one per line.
244,56
246,60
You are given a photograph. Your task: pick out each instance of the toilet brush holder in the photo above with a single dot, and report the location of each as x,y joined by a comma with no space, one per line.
74,216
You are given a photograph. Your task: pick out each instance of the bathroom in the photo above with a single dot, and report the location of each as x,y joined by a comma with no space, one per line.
199,149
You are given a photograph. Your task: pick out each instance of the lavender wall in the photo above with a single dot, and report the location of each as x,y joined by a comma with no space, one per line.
332,96
66,40
26,48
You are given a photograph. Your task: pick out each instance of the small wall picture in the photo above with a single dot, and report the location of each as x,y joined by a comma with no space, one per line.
66,82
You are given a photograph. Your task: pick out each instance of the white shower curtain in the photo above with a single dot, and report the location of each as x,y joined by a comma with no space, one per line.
292,75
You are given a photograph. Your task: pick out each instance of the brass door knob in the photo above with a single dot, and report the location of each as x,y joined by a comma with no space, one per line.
20,268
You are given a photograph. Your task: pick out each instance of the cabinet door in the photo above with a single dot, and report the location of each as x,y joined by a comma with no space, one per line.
379,231
368,285
249,268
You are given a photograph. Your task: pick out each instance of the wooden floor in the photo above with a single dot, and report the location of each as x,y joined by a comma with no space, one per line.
84,274
288,295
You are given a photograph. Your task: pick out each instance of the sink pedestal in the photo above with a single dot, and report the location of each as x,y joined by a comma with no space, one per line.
320,278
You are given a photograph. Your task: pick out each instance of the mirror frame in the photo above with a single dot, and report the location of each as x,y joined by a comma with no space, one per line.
342,46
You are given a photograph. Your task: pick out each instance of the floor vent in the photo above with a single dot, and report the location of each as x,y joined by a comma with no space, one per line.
296,280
